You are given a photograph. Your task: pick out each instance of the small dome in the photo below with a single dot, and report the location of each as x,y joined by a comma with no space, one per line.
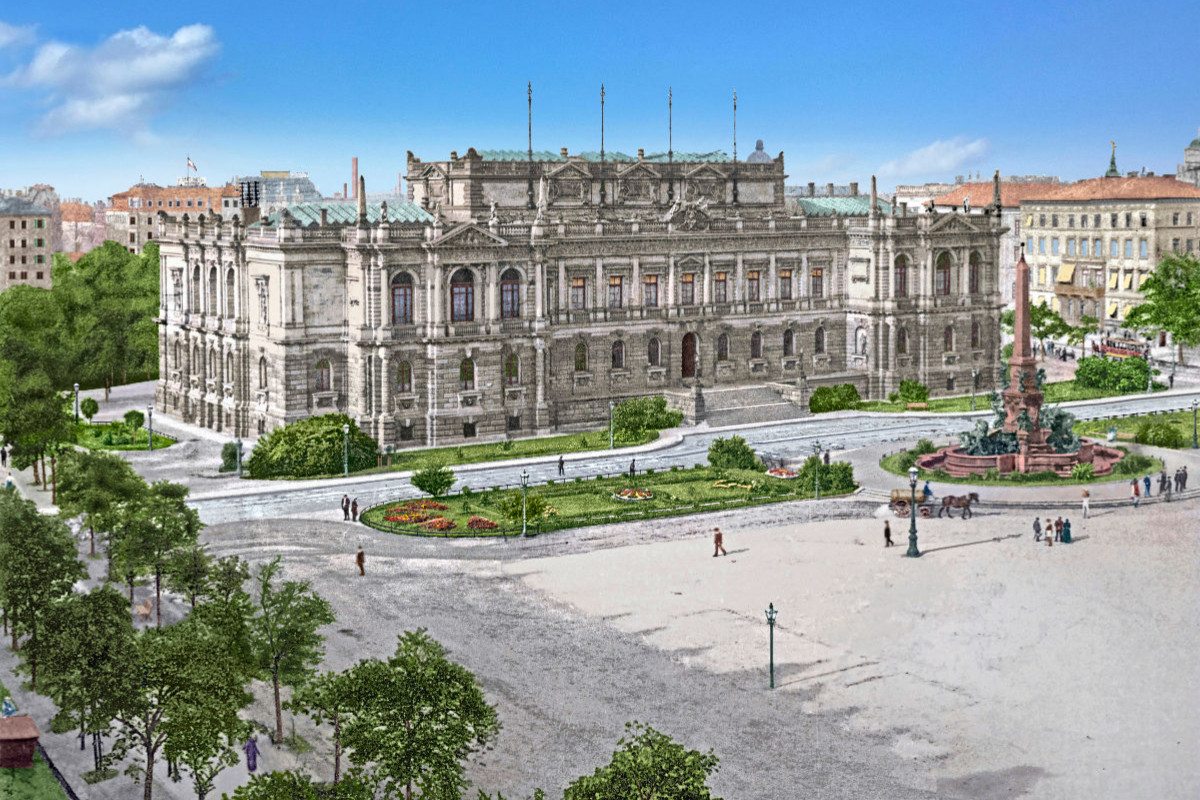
759,156
1195,142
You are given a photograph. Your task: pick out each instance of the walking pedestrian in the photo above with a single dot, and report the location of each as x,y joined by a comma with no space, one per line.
1049,534
251,748
4,457
1037,529
561,470
8,483
1087,497
632,467
887,534
927,493
1058,523
1166,492
827,458
718,543
1066,534
361,560
354,510
1146,483
1134,494
1184,486
1178,478
1162,480
345,508
1171,380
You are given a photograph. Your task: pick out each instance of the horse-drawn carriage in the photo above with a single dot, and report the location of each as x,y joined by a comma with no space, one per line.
901,498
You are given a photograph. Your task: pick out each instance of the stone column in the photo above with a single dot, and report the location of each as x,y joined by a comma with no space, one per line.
739,281
707,293
635,291
564,298
670,281
492,279
386,383
539,290
600,302
802,278
772,281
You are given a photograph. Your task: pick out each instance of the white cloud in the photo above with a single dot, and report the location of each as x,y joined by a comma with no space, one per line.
13,35
120,83
936,159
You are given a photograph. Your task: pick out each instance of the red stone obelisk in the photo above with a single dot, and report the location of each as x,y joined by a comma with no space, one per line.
1022,391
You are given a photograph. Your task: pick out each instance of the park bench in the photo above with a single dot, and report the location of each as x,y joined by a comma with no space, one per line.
917,406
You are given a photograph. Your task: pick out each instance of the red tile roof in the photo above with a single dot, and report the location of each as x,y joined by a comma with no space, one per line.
76,212
1159,187
1011,194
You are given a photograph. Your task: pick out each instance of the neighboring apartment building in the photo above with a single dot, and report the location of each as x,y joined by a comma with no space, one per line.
83,227
1091,244
25,249
971,197
131,215
514,296
274,190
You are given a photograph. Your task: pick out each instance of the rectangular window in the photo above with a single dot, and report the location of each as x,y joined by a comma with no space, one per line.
132,237
133,220
1128,219
1041,220
1070,220
1029,244
818,282
1054,246
1175,218
650,291
1054,220
1129,248
39,275
1083,220
752,293
24,275
1189,218
39,242
1083,247
1142,248
462,302
1070,247
785,284
39,259
402,304
721,288
1041,276
1096,221
1142,218
23,224
1112,220
615,293
1116,248
1041,245
1097,247
578,294
1175,245
510,299
687,289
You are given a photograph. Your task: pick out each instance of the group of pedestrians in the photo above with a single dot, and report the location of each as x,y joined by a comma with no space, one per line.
1057,530
1167,485
349,509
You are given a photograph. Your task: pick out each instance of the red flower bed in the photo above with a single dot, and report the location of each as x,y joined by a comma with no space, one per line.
439,524
413,512
481,524
407,518
419,505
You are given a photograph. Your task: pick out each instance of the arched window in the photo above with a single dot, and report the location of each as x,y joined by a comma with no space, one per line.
941,275
789,343
212,291
819,341
974,335
402,299
902,342
510,294
901,281
404,383
194,361
756,345
512,370
653,353
195,305
973,266
581,357
948,338
723,347
229,368
618,355
466,374
462,296
860,342
230,293
175,354
324,381
262,372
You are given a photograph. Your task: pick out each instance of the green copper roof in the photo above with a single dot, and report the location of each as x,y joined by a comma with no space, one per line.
345,213
1195,143
594,155
858,206
1112,167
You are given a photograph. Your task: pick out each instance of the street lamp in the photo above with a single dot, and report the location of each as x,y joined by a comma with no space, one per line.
1194,406
913,552
77,404
524,484
150,423
974,385
345,449
239,456
611,406
817,470
771,614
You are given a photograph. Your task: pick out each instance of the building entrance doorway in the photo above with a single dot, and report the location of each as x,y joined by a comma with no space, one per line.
689,356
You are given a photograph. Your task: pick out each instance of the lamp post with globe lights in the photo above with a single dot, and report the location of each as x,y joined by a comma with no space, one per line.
611,406
974,385
524,486
913,552
346,450
150,423
77,404
1195,404
771,614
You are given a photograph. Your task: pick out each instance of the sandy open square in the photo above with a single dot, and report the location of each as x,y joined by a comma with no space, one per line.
991,669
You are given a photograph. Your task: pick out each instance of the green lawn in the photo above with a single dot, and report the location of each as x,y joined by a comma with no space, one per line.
577,503
1182,420
29,784
893,465
91,437
1058,392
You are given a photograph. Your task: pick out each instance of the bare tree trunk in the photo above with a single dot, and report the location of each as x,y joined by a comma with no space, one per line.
53,481
131,589
147,792
278,705
158,596
36,480
337,749
92,540
107,384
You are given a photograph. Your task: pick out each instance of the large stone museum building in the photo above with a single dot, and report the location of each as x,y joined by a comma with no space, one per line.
519,293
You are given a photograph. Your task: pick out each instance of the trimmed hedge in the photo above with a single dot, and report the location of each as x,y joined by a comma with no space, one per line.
733,453
841,397
633,417
1160,434
1123,376
309,448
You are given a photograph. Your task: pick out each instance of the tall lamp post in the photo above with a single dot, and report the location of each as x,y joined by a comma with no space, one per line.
913,552
150,423
611,406
817,471
239,456
1195,404
77,404
974,385
524,485
771,614
346,450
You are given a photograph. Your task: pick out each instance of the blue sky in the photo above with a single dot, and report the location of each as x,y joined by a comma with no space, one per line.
92,96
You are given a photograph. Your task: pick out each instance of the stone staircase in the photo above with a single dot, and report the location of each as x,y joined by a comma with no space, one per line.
735,405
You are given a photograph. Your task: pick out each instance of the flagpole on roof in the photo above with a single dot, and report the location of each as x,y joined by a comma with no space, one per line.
735,175
602,192
670,150
529,189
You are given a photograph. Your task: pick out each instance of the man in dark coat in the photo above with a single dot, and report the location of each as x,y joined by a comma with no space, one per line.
251,748
887,534
561,470
346,507
361,560
354,510
718,543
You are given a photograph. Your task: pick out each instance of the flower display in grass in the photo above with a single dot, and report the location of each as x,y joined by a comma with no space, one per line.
407,517
633,495
439,524
779,472
476,523
725,483
414,512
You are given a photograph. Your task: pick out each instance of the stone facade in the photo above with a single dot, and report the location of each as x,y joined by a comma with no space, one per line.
527,297
131,215
25,246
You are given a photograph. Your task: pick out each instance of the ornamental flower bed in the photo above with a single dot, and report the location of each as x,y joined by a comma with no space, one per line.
439,524
633,495
425,505
727,484
414,512
783,473
481,524
408,517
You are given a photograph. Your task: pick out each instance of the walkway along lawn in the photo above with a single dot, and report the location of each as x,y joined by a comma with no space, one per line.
581,502
1058,392
1181,420
29,784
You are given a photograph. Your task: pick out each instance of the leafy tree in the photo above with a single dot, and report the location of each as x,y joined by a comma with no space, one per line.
421,715
1118,376
633,417
1076,335
203,739
134,419
311,447
733,453
434,480
1045,322
162,524
226,609
534,508
913,391
95,484
283,632
648,765
1171,300
289,785
328,697
1008,320
38,564
187,572
89,408
182,680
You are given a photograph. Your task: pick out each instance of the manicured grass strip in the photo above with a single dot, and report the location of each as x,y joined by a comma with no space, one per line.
90,436
893,465
1057,392
1182,420
29,784
578,503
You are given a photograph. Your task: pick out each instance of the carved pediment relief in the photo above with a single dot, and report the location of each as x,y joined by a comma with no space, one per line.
689,263
638,169
433,171
570,171
707,171
953,223
639,189
470,236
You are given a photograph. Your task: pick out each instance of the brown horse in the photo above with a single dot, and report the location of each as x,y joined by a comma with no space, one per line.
951,501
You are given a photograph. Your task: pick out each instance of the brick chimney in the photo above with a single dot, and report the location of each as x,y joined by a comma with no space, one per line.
829,189
812,189
854,190
354,175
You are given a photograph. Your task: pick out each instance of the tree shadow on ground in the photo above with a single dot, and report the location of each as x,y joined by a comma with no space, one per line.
997,785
